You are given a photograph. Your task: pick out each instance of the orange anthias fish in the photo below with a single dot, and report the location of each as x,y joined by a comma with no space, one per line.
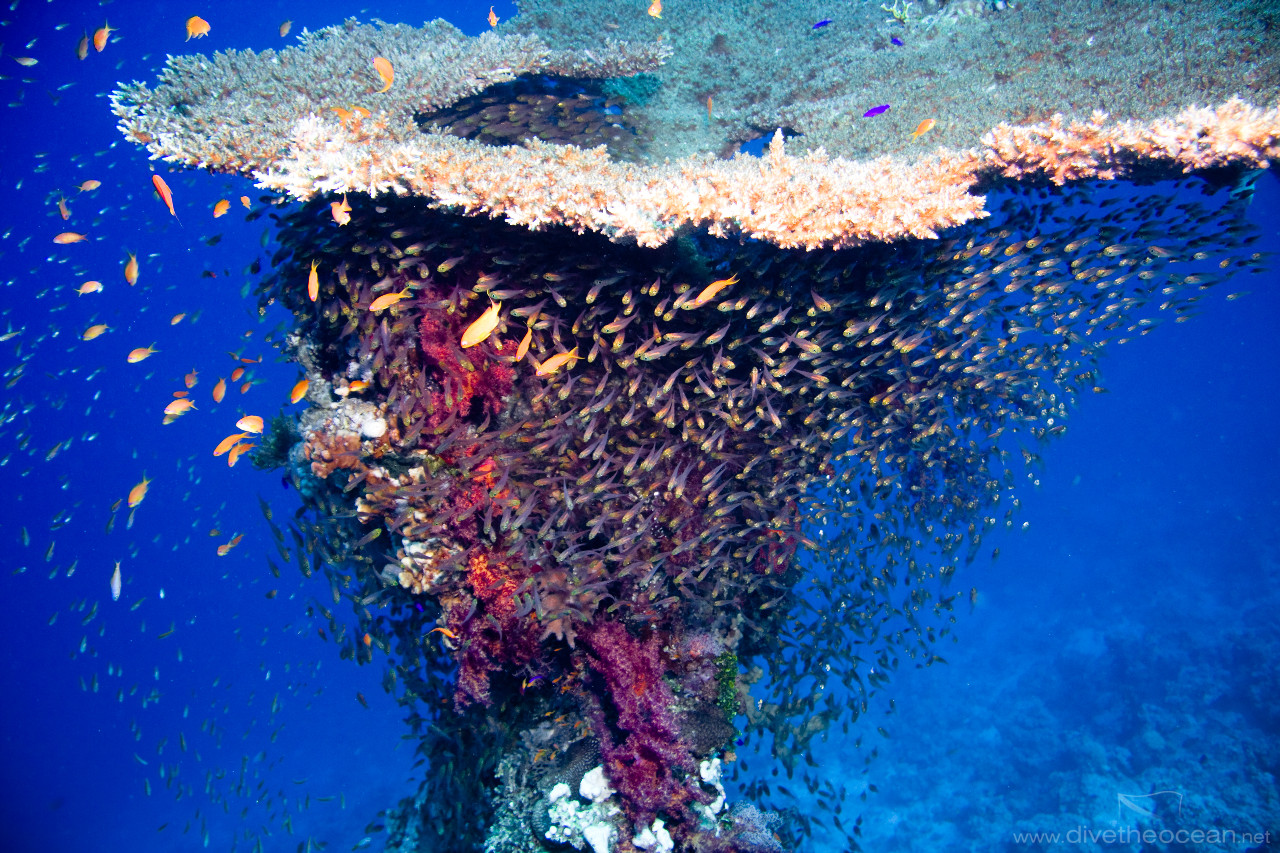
197,27
229,442
244,200
234,455
162,189
180,406
236,374
299,391
190,379
250,423
89,186
82,49
341,210
63,210
655,9
523,349
131,269
556,362
388,299
922,128
221,208
90,287
219,390
493,19
480,330
176,319
101,35
709,292
138,492
142,353
94,331
285,27
69,237
385,71
313,282
223,549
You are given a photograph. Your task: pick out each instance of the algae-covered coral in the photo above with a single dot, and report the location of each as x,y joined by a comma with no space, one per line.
613,505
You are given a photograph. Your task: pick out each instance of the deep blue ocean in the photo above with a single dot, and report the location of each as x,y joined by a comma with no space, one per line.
1120,655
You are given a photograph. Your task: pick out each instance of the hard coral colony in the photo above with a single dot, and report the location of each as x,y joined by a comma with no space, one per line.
594,564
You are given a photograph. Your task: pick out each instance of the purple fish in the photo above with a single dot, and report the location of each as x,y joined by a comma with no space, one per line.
897,41
875,111
822,23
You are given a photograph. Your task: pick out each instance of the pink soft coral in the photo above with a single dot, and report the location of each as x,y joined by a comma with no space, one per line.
650,767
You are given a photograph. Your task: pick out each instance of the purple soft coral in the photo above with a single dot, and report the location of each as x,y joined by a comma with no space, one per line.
650,765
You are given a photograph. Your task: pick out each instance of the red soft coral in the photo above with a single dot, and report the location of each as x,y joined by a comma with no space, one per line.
476,377
493,636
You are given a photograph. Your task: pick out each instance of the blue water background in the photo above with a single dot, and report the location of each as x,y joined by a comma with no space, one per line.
1154,517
